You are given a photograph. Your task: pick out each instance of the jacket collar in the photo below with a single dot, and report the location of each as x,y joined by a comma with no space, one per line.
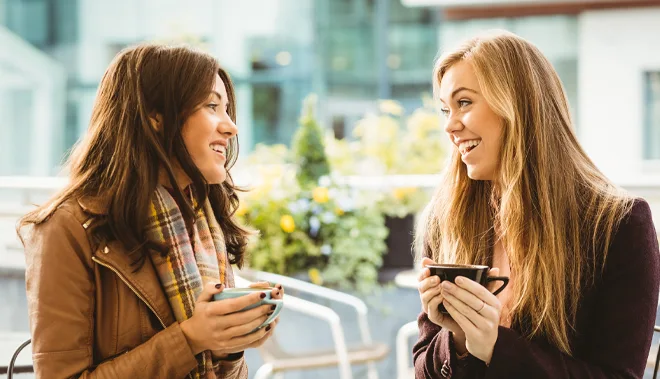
95,205
144,282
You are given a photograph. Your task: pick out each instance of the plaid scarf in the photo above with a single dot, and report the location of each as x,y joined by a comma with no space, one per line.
189,265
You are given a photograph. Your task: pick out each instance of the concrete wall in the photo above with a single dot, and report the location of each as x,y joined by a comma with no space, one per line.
615,48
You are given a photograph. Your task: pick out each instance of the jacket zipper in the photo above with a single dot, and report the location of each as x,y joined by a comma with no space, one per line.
132,289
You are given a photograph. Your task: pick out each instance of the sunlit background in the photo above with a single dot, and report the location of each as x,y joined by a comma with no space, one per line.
363,69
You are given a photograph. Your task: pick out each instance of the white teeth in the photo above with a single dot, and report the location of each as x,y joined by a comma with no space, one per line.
465,145
219,148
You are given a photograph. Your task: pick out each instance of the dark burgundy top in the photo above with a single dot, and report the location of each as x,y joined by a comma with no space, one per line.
613,331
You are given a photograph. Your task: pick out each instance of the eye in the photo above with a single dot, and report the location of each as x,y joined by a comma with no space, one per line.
464,103
445,111
213,106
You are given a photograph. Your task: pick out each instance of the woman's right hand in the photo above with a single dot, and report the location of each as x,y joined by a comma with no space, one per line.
430,292
215,325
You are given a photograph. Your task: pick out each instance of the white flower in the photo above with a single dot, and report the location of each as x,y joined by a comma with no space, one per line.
324,181
326,250
328,217
299,206
314,226
346,203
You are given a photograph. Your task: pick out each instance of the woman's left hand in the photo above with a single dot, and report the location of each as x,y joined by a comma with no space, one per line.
477,311
276,293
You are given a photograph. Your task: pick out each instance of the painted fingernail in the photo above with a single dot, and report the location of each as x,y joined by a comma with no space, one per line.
218,286
263,295
272,308
269,313
268,328
279,286
277,293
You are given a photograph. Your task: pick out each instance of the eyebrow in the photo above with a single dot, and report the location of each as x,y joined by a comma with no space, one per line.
457,90
216,93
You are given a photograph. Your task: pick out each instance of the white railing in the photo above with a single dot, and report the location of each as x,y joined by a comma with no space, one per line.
19,193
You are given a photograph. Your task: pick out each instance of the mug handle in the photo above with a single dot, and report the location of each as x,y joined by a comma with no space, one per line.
504,279
278,307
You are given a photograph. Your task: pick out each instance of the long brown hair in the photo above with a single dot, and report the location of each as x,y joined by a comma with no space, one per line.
551,208
121,155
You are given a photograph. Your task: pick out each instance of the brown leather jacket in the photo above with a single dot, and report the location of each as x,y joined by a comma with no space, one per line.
92,315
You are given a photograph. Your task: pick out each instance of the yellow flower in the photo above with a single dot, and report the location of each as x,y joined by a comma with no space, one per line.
339,212
320,195
392,107
242,209
315,276
401,192
287,223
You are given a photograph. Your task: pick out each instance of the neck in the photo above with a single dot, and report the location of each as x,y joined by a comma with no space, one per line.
182,180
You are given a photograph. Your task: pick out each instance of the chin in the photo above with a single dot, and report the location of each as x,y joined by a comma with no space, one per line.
215,176
475,173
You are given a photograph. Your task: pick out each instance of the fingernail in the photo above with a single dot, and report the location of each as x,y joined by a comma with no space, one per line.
446,285
268,328
279,286
272,308
269,313
434,280
277,293
459,280
263,295
218,286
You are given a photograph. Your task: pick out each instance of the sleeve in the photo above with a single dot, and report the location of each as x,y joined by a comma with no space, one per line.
61,301
434,355
618,336
231,369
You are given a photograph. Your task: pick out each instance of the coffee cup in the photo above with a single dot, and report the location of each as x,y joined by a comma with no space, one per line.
476,273
231,293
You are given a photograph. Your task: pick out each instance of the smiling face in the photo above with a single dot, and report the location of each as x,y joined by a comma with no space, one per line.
206,134
473,127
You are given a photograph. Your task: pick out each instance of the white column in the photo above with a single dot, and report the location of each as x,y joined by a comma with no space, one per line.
6,149
41,143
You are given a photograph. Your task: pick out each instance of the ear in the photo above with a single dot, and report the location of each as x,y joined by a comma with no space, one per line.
156,120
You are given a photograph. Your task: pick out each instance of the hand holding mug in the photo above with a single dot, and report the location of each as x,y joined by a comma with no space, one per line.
273,298
477,312
220,326
430,293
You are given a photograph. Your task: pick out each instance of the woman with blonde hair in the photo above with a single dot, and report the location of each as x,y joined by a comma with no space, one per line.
520,195
123,263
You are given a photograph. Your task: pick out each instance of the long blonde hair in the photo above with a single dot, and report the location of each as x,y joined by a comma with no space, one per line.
552,209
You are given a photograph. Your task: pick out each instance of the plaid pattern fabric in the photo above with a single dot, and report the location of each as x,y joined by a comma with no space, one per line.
189,265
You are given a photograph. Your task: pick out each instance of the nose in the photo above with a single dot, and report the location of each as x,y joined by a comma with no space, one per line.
227,127
453,125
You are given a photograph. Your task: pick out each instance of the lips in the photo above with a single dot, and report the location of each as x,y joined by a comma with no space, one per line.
219,148
464,147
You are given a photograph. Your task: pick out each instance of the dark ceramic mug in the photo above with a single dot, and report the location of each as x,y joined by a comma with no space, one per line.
476,273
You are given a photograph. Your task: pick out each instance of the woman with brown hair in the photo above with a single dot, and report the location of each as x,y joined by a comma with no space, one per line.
123,263
520,195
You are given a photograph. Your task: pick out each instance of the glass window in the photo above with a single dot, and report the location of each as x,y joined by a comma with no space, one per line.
43,23
17,111
652,116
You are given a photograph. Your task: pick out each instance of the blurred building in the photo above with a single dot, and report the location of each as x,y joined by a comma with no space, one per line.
606,53
349,52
